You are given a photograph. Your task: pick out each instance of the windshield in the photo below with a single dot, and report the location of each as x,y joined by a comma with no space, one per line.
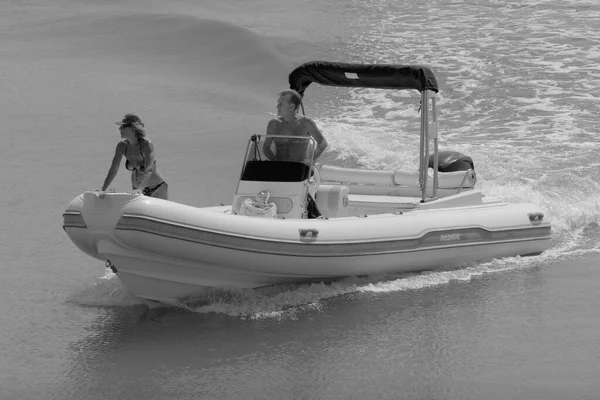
278,158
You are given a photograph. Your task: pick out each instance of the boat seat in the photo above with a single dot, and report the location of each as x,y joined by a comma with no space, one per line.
369,200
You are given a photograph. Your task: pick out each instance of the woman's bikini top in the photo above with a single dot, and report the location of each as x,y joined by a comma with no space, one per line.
142,166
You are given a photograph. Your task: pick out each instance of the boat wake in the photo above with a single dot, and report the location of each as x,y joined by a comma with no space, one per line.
289,301
107,291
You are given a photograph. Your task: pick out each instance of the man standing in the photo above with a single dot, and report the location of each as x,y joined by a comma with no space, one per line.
290,123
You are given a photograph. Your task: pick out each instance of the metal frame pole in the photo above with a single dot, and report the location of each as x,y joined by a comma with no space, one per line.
434,135
423,165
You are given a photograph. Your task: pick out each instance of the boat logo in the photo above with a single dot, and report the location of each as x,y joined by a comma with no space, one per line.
448,237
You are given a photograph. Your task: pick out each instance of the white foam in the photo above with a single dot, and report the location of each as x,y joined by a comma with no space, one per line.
518,95
107,291
287,301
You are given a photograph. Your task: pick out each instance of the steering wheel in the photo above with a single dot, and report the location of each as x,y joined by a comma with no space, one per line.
314,182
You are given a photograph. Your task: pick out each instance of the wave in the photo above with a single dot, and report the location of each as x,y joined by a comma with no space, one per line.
204,53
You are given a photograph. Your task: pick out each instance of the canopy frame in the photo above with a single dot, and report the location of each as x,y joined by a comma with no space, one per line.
383,76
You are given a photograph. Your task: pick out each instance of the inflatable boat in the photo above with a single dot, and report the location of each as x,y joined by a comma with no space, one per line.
292,220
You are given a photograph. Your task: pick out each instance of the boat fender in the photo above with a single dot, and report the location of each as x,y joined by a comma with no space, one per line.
450,161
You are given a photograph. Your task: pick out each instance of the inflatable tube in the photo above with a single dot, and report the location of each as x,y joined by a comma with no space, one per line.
395,178
446,180
330,173
450,161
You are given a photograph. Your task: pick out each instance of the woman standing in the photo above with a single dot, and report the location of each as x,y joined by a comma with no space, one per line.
139,159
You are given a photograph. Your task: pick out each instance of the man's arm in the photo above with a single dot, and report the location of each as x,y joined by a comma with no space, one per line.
271,130
313,130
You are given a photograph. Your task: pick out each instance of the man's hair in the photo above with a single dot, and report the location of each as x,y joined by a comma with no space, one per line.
293,96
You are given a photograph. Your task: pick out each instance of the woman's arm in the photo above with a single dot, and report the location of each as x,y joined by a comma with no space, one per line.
114,166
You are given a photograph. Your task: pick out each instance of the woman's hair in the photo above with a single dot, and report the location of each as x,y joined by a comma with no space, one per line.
140,131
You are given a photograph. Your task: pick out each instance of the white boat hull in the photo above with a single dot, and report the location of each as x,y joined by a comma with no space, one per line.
171,252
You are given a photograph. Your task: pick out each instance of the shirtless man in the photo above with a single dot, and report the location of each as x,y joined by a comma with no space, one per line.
290,123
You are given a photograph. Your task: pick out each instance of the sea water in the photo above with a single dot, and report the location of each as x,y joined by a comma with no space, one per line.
519,84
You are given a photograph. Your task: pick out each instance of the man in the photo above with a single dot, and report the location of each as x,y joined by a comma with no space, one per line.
290,123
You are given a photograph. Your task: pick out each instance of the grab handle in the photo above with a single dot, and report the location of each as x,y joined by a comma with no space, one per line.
308,232
469,171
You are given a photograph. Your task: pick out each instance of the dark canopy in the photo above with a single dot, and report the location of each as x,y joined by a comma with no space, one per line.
380,76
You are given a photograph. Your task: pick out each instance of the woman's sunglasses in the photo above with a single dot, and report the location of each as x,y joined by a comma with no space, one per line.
125,126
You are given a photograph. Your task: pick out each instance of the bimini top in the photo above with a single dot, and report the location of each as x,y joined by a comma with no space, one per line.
380,76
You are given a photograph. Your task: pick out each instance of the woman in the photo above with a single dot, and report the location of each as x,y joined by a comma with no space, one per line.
139,155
